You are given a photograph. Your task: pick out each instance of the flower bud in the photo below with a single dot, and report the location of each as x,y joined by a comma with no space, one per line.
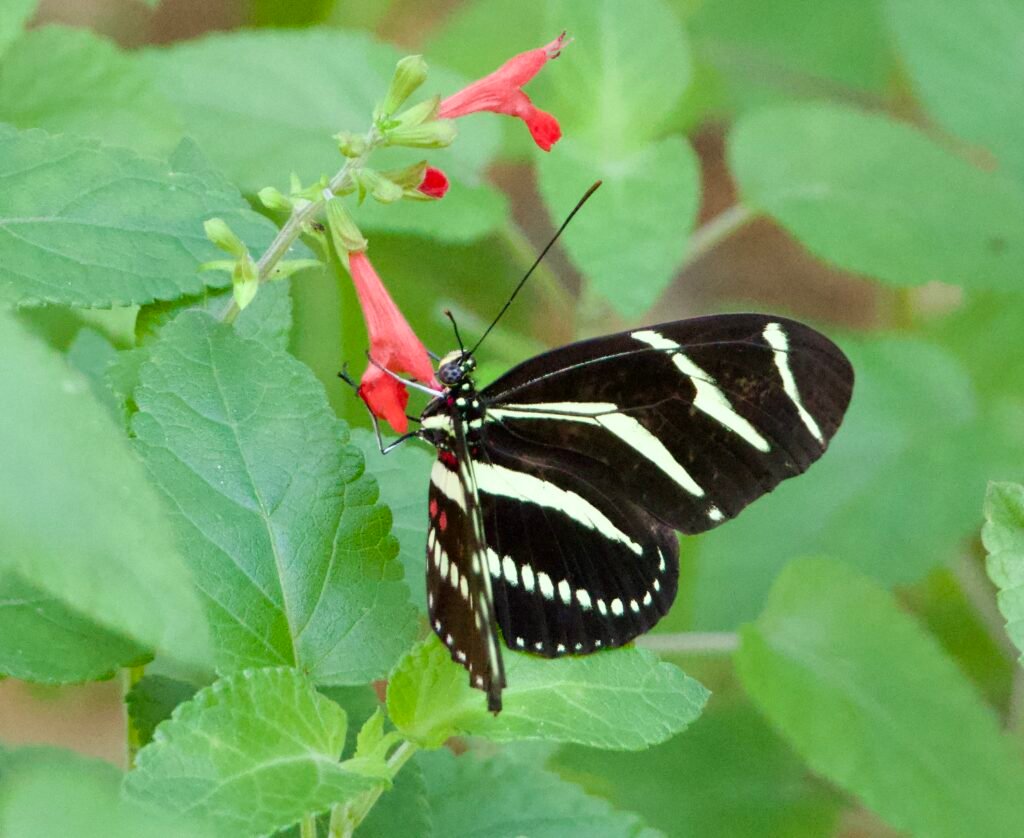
286,268
344,232
424,111
409,177
349,144
410,73
436,134
300,193
272,199
434,185
245,281
218,232
378,186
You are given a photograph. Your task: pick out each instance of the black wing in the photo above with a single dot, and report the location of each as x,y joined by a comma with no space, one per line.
592,455
459,595
690,420
574,568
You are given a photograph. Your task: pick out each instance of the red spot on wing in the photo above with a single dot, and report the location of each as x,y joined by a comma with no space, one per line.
443,521
433,508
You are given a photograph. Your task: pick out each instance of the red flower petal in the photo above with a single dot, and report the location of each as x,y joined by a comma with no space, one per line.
386,397
500,92
435,183
393,345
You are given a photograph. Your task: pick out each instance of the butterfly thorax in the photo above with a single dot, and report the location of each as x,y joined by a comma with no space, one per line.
460,399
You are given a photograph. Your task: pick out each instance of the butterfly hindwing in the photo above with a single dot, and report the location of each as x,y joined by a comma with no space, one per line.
573,570
691,420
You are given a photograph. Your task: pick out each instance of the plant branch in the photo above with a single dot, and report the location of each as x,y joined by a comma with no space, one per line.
300,217
691,643
346,817
712,233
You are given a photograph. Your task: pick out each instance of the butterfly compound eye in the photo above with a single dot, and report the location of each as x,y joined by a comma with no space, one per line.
450,373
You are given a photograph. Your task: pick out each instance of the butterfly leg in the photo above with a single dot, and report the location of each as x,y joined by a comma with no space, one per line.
391,446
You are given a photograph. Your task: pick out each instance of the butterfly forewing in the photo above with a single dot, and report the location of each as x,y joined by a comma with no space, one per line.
690,420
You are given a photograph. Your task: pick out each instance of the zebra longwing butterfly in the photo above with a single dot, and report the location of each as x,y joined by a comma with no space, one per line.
558,489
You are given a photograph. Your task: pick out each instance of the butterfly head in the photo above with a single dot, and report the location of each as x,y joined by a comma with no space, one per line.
455,367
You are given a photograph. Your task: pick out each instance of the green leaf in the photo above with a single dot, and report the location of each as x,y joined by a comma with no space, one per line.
911,424
876,197
631,238
520,800
14,14
78,519
622,76
963,58
91,354
252,754
731,776
621,699
403,475
801,49
873,704
267,319
1003,536
359,704
43,640
70,81
47,792
91,226
477,39
284,533
152,700
280,96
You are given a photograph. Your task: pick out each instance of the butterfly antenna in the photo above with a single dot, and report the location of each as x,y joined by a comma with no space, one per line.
455,326
537,261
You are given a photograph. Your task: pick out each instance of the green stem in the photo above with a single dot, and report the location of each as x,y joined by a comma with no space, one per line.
903,309
691,643
301,216
711,234
980,593
346,817
594,314
1015,707
129,678
307,827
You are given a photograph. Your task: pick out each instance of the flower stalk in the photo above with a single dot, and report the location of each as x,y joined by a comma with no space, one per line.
302,215
346,817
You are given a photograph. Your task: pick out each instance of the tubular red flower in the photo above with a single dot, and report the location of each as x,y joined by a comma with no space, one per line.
393,345
434,184
500,92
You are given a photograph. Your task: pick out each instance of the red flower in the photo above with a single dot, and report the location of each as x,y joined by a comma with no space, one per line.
393,345
434,184
501,92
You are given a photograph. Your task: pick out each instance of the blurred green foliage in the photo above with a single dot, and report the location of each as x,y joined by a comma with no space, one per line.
189,492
